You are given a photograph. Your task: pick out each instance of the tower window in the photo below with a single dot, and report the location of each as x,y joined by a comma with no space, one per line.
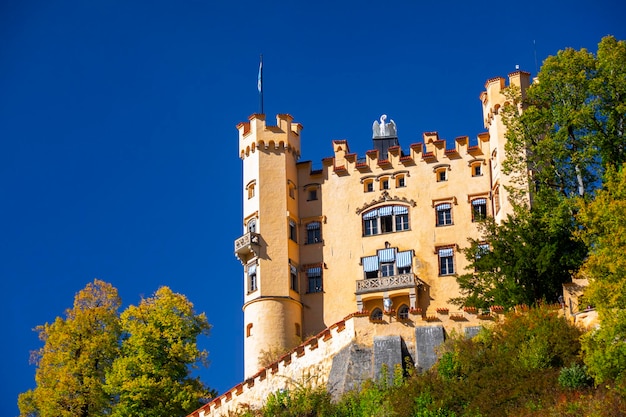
292,189
250,189
444,214
479,209
249,330
384,184
446,261
293,275
442,174
298,331
312,195
314,276
252,226
400,181
252,278
313,233
292,231
368,186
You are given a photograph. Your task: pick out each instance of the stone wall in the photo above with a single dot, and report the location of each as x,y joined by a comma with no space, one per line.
309,364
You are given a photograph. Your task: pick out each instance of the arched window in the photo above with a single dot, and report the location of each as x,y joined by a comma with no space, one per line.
250,188
377,314
403,312
385,219
249,330
251,226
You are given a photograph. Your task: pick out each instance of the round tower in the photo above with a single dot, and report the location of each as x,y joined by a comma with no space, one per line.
268,248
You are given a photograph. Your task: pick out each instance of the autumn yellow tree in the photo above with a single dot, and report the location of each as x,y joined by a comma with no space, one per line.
77,353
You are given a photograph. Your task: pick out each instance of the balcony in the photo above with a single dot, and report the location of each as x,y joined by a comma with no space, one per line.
247,246
394,282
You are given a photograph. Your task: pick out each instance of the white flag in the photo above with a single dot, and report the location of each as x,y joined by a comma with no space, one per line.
260,79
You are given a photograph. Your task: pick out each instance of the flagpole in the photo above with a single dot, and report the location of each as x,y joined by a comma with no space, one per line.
260,83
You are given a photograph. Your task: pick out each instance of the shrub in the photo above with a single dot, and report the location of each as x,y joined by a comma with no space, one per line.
574,377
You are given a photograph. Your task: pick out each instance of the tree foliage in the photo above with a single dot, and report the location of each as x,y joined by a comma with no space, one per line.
96,362
604,230
77,353
563,133
528,260
151,377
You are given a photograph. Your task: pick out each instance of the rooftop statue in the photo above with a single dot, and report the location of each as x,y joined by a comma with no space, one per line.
383,129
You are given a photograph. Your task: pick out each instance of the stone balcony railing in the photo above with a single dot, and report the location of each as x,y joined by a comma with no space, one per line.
246,245
393,282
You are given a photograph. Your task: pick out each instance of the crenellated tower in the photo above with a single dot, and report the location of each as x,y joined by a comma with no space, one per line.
493,101
268,248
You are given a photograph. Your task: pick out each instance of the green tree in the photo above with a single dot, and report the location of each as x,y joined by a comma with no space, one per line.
528,260
152,376
604,230
77,353
562,134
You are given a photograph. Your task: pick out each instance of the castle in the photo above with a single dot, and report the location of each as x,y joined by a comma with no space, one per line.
352,266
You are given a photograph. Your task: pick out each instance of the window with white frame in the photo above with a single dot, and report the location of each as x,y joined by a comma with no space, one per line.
314,278
387,262
252,278
313,233
386,219
479,209
446,261
251,226
444,214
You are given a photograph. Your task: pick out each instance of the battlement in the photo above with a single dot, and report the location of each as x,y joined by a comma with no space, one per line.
431,150
493,99
256,134
311,360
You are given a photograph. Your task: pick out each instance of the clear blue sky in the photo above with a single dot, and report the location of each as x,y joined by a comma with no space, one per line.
119,158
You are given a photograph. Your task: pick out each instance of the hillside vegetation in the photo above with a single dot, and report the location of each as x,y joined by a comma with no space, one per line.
529,364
